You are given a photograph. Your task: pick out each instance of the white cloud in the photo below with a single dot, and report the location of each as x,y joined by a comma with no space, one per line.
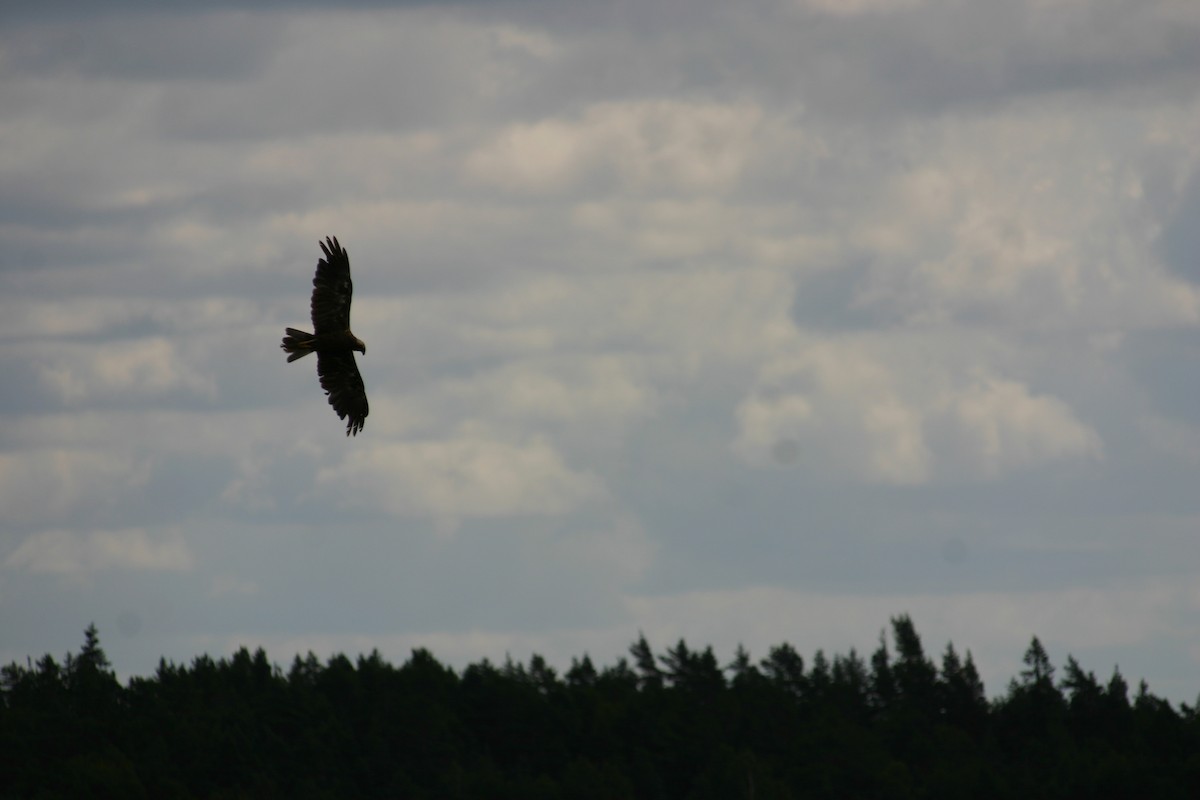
60,552
658,145
878,411
43,319
587,400
543,156
468,476
1030,217
741,236
141,367
683,317
844,409
597,387
998,425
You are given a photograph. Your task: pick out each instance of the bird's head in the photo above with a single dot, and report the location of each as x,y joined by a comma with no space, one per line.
360,345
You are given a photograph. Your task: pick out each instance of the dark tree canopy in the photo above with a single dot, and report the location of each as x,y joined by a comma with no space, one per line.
676,724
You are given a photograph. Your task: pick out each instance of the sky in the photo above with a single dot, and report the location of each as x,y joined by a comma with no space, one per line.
732,322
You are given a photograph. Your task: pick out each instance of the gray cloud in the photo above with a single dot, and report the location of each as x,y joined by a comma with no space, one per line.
134,46
1180,242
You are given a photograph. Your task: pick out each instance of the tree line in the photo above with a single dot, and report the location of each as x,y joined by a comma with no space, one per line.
658,725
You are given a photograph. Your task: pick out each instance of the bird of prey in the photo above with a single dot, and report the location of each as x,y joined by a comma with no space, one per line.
331,338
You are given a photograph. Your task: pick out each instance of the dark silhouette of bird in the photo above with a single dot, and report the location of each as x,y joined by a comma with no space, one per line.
331,339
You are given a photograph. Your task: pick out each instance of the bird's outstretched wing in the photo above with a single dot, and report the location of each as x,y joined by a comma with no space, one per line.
344,385
332,289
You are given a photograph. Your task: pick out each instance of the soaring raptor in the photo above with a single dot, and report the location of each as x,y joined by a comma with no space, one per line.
331,338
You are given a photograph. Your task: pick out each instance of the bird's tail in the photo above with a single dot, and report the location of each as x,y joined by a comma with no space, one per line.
297,343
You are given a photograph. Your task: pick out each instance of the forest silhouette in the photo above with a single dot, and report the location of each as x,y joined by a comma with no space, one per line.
671,724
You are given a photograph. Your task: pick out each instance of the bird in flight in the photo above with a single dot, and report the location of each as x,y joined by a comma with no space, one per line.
331,338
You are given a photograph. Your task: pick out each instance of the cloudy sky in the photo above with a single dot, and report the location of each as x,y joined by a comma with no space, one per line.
738,322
